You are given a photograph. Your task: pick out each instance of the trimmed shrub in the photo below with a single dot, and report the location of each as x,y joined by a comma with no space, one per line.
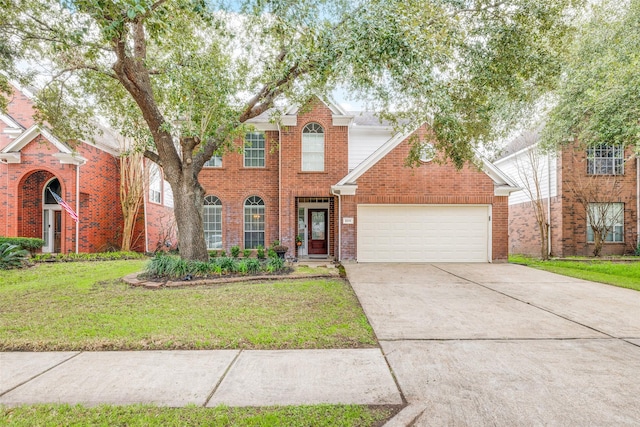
260,252
246,253
235,251
28,243
12,256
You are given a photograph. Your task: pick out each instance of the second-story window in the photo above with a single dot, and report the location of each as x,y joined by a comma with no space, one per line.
313,148
254,150
605,159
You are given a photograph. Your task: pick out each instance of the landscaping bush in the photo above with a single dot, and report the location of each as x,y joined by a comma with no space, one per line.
260,252
246,253
28,243
12,256
163,265
98,256
235,251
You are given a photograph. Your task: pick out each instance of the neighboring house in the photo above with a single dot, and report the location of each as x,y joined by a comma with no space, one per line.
337,180
571,181
86,176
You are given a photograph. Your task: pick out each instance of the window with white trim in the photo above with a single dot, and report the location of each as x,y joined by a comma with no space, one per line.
155,184
606,215
313,148
254,152
253,222
605,159
212,217
214,162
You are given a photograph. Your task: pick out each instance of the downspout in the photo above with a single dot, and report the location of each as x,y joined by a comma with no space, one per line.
77,206
144,205
549,205
280,185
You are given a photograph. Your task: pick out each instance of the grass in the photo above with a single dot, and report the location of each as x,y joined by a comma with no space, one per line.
138,415
84,306
625,275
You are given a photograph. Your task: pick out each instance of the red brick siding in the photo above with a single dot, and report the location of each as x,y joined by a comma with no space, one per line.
233,184
574,227
389,181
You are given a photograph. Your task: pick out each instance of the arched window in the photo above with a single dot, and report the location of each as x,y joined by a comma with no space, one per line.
313,147
253,222
212,217
54,185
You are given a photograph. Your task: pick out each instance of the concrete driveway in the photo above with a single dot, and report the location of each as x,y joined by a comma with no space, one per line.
502,344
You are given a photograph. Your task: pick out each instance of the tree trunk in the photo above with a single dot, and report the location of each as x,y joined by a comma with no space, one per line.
597,242
188,198
544,239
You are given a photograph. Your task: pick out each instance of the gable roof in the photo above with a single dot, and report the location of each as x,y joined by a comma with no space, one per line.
503,184
11,153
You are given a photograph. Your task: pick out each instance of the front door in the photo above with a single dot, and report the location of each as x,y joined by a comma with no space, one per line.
52,230
318,232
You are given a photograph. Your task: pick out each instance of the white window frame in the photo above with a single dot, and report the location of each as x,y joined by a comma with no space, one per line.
212,221
254,222
313,148
155,184
605,159
615,217
254,150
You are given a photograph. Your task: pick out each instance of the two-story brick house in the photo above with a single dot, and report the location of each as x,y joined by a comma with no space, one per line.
336,181
34,164
598,175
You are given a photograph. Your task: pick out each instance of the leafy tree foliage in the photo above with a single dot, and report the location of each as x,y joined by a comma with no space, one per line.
184,76
598,100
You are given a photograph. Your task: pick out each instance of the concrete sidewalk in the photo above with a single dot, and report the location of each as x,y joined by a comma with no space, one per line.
203,378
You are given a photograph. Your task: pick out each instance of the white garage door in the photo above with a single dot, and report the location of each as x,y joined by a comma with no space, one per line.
419,233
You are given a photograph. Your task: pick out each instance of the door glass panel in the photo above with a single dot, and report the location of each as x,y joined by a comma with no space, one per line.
317,225
45,227
57,231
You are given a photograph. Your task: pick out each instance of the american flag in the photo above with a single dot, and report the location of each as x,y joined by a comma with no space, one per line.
64,204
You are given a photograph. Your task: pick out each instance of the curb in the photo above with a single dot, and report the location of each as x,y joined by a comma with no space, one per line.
132,279
407,416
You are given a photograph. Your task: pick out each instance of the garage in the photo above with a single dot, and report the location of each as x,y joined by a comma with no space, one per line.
423,233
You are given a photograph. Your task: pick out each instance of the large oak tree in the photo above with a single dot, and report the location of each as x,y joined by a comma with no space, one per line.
184,76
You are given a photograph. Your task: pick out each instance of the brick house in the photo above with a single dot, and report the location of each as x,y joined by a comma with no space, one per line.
336,182
86,176
601,175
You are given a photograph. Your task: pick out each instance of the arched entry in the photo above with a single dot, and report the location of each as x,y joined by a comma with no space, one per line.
51,218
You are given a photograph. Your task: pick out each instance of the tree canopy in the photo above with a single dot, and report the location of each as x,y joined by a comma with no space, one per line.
598,101
184,76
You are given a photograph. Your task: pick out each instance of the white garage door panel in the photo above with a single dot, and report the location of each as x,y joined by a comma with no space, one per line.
414,233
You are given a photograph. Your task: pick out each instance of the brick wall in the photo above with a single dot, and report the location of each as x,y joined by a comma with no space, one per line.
574,226
389,181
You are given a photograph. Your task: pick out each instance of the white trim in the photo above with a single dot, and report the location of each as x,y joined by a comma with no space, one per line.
70,159
289,120
10,122
29,135
341,120
10,157
344,190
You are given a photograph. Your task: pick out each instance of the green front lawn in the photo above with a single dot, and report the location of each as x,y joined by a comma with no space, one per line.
317,415
84,306
623,274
